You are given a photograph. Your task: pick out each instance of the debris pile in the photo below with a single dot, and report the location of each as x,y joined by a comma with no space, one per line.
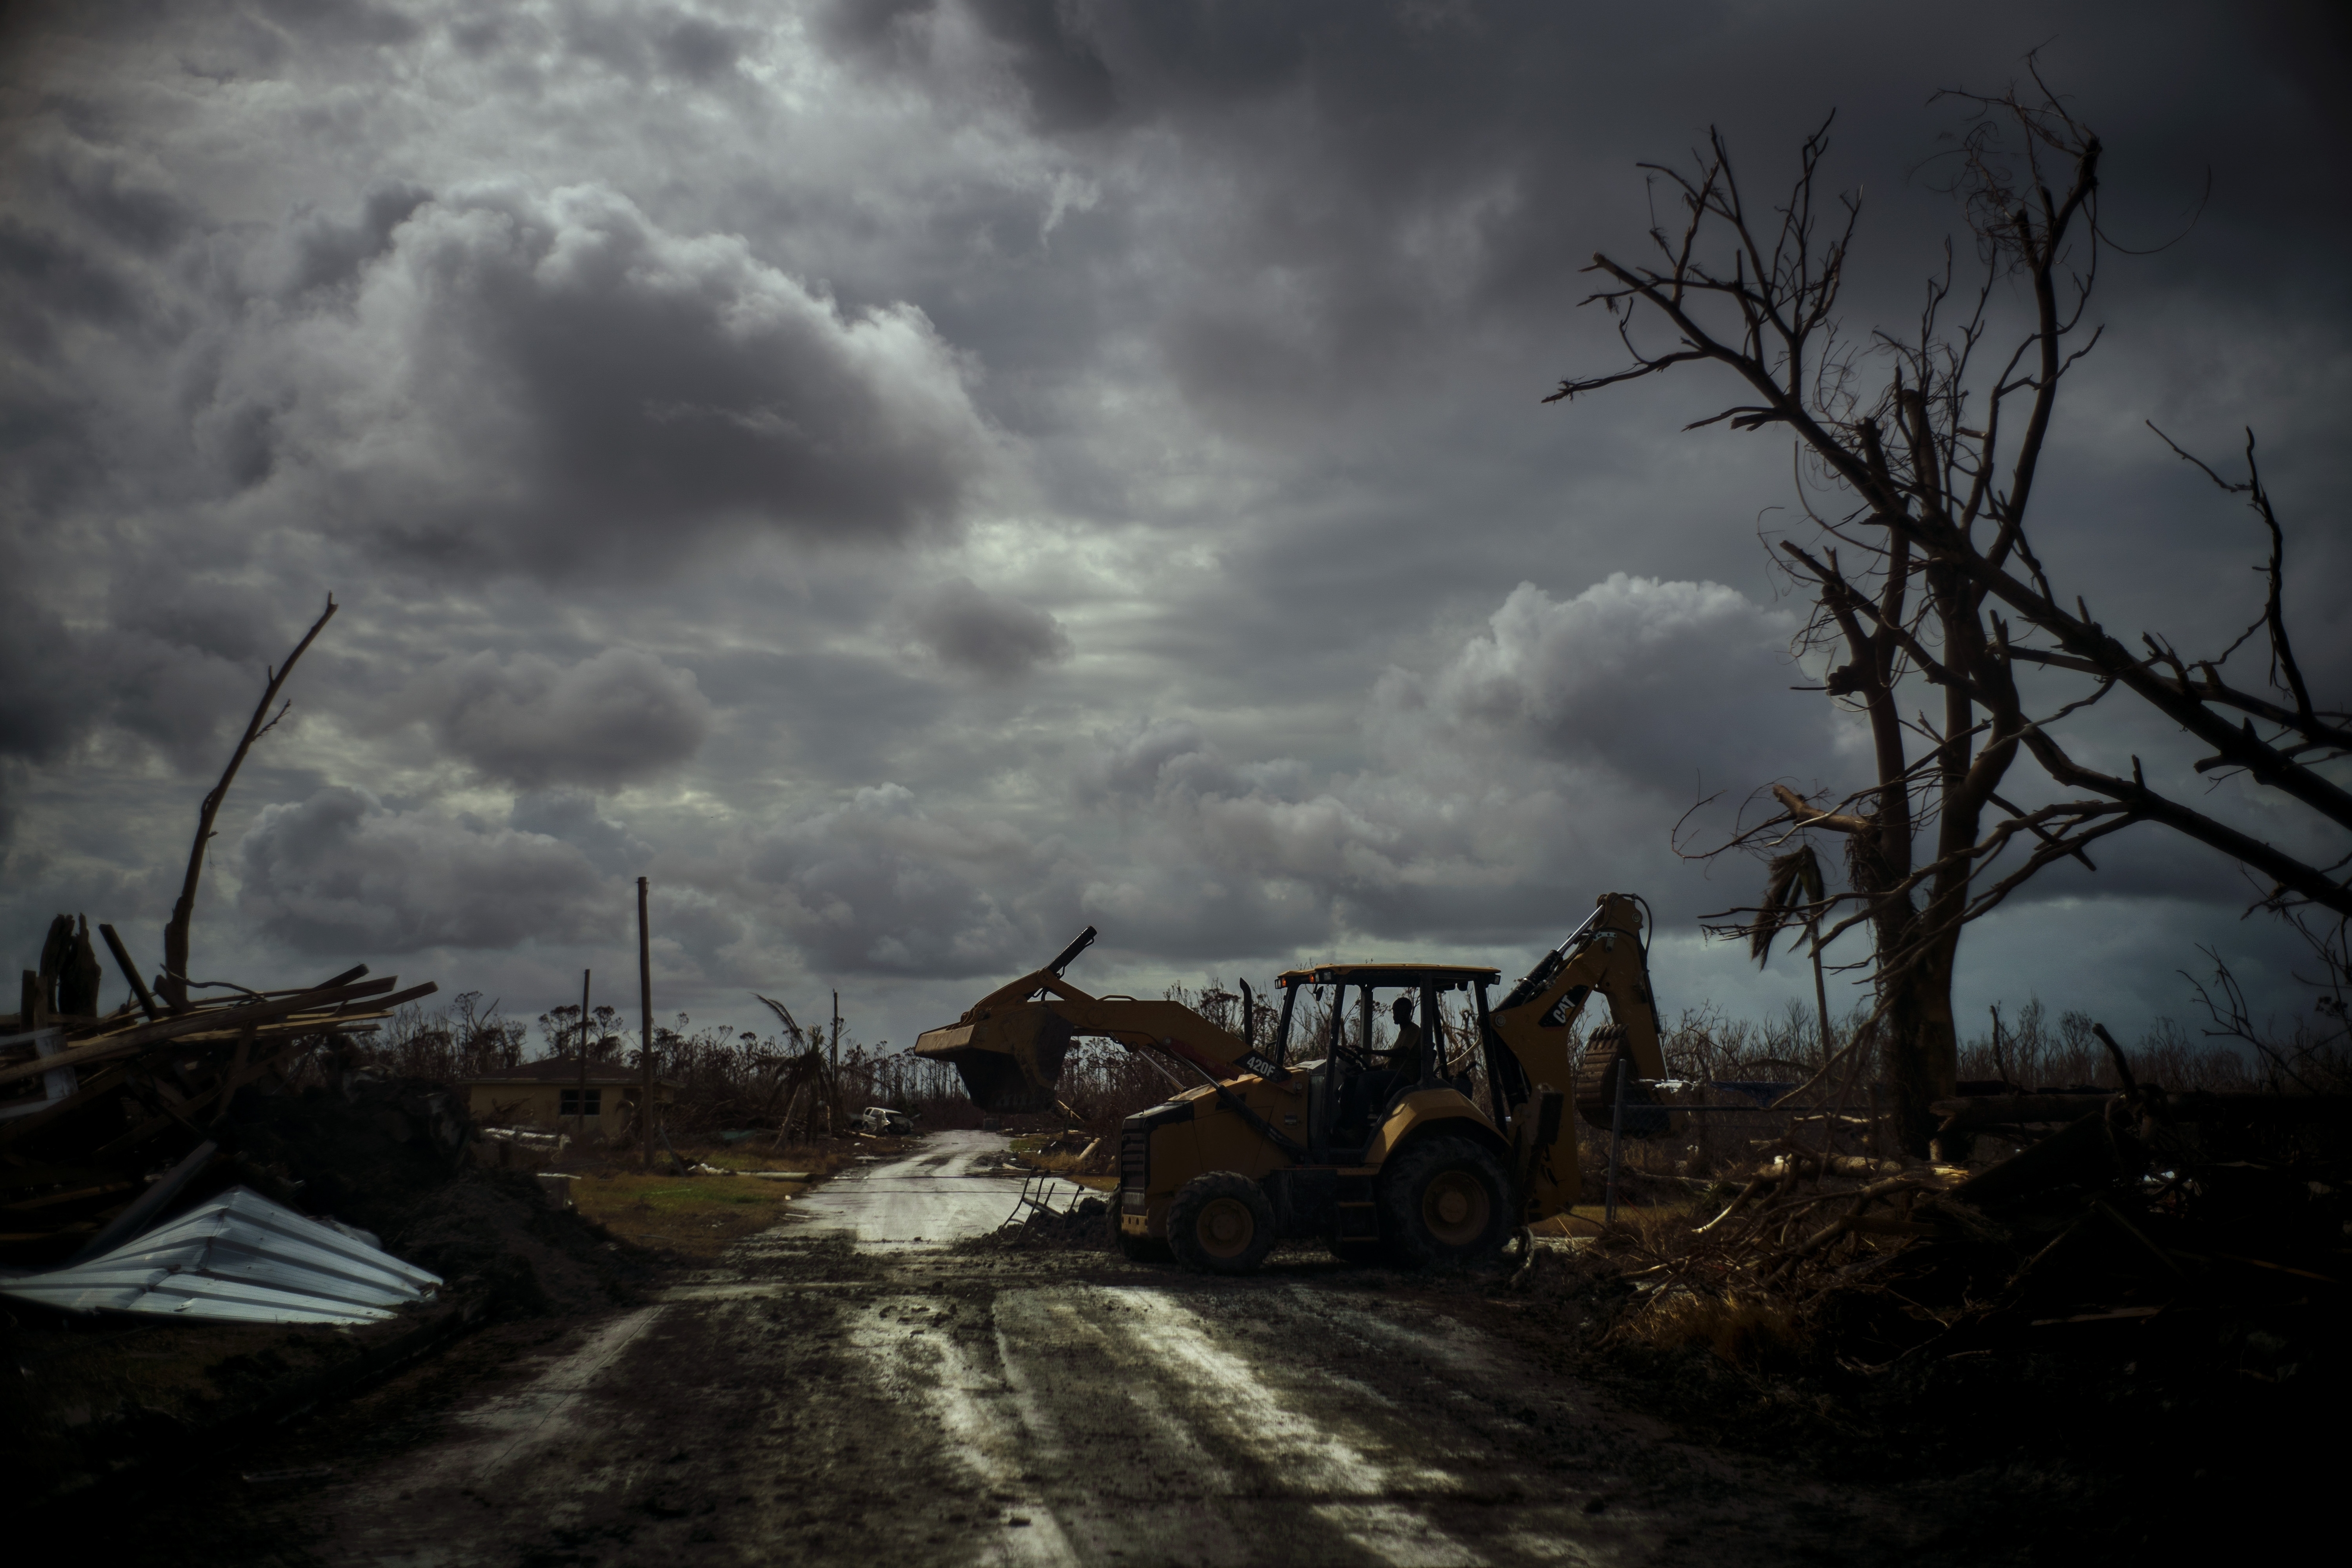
106,1122
1050,1213
2122,1207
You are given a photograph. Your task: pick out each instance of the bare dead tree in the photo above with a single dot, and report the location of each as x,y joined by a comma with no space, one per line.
172,983
1918,453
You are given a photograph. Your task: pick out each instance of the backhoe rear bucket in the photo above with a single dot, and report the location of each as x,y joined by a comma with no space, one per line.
1009,1063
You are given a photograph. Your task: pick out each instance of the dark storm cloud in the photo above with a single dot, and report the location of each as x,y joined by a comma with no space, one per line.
1054,57
618,716
968,629
328,253
182,660
1169,369
578,384
42,703
340,872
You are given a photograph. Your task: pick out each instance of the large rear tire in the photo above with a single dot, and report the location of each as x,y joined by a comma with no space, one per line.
1444,1203
1221,1222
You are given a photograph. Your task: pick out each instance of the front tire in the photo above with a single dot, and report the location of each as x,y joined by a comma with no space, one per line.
1221,1222
1444,1203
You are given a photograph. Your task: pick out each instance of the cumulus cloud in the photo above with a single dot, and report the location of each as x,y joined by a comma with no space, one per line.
1552,748
550,380
617,716
974,632
340,872
1656,679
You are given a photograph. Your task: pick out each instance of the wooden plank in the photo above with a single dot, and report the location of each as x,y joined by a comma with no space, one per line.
230,1012
129,1042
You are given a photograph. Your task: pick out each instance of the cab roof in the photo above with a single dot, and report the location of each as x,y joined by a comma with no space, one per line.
1443,976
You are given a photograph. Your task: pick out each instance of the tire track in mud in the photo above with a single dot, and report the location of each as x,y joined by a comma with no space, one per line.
825,1400
1183,1421
1157,1432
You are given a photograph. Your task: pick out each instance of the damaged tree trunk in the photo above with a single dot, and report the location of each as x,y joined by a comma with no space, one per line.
172,985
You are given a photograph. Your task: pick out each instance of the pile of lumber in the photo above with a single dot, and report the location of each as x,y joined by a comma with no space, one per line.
105,1120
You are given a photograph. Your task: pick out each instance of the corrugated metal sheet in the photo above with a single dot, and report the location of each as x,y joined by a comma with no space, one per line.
238,1258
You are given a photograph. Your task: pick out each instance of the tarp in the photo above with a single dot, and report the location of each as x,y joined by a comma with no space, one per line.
237,1258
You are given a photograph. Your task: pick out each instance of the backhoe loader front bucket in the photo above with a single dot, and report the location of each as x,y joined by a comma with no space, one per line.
1010,1062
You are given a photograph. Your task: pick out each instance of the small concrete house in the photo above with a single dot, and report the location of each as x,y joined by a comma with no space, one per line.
548,1094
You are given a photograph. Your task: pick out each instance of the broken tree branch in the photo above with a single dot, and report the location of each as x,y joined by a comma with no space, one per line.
174,978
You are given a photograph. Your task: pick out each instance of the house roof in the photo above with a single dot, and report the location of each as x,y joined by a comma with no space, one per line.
561,1074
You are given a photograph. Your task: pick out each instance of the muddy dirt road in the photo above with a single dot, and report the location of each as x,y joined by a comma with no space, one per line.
843,1393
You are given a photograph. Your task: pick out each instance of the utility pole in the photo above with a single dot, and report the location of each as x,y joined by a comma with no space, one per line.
581,1105
836,1053
646,1027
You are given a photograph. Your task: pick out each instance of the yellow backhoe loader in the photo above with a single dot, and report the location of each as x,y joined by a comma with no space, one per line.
1425,1143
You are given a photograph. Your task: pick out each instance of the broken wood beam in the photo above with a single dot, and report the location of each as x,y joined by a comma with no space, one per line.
147,1003
228,1020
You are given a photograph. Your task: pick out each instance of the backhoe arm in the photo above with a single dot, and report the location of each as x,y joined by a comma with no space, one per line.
1606,954
1534,1025
1009,1044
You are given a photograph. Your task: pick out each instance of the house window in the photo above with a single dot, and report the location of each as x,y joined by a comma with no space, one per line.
572,1098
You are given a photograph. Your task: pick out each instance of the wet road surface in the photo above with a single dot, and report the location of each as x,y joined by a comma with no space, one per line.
841,1393
944,1191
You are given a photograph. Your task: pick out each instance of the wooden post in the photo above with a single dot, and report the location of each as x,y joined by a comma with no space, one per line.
581,1105
645,1035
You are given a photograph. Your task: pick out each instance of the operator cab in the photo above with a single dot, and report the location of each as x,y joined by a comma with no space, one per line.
1382,1031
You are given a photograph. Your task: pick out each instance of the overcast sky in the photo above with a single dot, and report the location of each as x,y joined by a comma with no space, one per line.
915,478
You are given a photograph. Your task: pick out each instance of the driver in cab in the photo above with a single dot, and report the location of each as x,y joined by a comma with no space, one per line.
1403,1054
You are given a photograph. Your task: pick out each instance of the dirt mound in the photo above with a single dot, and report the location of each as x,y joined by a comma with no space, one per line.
390,1155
